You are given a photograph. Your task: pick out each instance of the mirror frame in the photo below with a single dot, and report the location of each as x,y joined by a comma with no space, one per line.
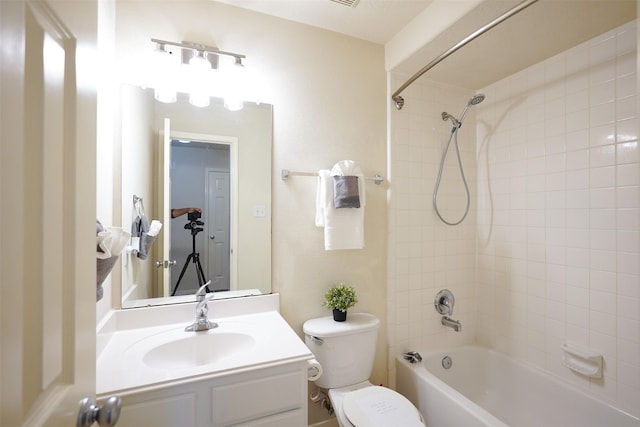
259,275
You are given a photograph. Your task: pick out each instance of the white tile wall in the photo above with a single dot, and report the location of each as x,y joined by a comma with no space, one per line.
425,255
550,252
571,262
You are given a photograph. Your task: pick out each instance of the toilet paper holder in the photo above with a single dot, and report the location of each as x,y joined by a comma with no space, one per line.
314,370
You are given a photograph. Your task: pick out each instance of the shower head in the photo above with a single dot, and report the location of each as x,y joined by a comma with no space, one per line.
477,99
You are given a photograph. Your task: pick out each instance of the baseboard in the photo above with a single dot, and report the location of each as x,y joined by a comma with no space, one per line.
331,422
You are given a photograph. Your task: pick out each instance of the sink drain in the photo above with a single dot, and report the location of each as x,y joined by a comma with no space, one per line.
446,362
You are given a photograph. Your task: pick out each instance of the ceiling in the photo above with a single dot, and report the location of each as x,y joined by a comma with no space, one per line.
373,20
540,31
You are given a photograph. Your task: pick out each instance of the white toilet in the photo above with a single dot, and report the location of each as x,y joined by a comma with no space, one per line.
346,351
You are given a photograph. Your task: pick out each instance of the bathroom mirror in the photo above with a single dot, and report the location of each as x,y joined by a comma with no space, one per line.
176,156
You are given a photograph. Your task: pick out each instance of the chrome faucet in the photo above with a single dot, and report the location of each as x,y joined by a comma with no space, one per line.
412,356
444,303
202,322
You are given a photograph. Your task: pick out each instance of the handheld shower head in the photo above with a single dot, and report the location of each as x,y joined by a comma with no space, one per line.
475,100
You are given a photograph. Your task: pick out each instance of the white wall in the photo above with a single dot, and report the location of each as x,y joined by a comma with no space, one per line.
135,142
328,93
106,171
559,213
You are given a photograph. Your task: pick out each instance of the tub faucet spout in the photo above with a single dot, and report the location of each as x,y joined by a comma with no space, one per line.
412,356
454,324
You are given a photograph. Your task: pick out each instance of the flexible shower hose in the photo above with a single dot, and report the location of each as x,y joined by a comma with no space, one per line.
453,136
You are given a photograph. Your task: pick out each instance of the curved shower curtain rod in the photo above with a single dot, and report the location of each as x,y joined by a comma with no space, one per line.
508,14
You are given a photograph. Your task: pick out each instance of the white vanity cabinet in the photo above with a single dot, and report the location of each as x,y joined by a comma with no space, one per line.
271,396
250,370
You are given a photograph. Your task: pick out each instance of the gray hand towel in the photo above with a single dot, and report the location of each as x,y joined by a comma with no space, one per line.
345,192
139,226
103,268
146,241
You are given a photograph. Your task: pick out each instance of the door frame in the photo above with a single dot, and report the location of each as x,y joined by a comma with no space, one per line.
165,200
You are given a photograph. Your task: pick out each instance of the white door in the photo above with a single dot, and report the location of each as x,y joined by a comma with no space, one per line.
217,228
47,214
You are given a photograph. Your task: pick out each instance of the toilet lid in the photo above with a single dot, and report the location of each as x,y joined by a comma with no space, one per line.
378,406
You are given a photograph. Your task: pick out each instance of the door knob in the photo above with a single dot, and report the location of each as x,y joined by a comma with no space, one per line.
211,236
166,263
105,415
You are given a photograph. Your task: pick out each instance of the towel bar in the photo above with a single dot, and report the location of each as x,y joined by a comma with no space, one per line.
286,173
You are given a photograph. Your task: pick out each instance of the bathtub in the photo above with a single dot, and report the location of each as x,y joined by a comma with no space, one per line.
486,388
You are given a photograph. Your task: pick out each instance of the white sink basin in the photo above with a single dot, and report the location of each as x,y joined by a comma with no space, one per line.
176,349
200,348
149,347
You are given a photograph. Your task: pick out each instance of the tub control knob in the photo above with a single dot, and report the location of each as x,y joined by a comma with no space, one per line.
444,302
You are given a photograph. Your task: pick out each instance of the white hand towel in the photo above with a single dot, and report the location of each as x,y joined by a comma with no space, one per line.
321,195
111,242
344,228
154,228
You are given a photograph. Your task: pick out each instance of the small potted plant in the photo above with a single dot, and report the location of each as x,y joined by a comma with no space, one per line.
339,298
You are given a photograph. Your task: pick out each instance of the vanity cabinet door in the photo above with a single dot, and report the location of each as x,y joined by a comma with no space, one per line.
268,397
295,418
262,396
153,410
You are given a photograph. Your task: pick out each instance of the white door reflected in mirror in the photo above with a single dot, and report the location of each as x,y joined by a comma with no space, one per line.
200,176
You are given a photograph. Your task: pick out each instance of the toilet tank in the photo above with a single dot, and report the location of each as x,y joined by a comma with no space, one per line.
346,350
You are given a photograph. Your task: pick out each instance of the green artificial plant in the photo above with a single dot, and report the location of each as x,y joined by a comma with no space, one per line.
340,297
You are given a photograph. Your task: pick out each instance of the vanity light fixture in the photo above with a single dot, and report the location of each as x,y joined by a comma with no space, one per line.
201,64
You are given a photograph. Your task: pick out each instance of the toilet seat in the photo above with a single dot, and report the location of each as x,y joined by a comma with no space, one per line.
377,406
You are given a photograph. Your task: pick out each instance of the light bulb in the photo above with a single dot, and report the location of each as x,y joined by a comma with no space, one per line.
234,81
200,70
166,95
199,99
199,60
164,86
233,104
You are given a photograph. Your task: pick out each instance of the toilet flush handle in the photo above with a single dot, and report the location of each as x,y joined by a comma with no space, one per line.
316,340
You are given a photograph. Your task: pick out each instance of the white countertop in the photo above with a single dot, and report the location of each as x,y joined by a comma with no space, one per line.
125,337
